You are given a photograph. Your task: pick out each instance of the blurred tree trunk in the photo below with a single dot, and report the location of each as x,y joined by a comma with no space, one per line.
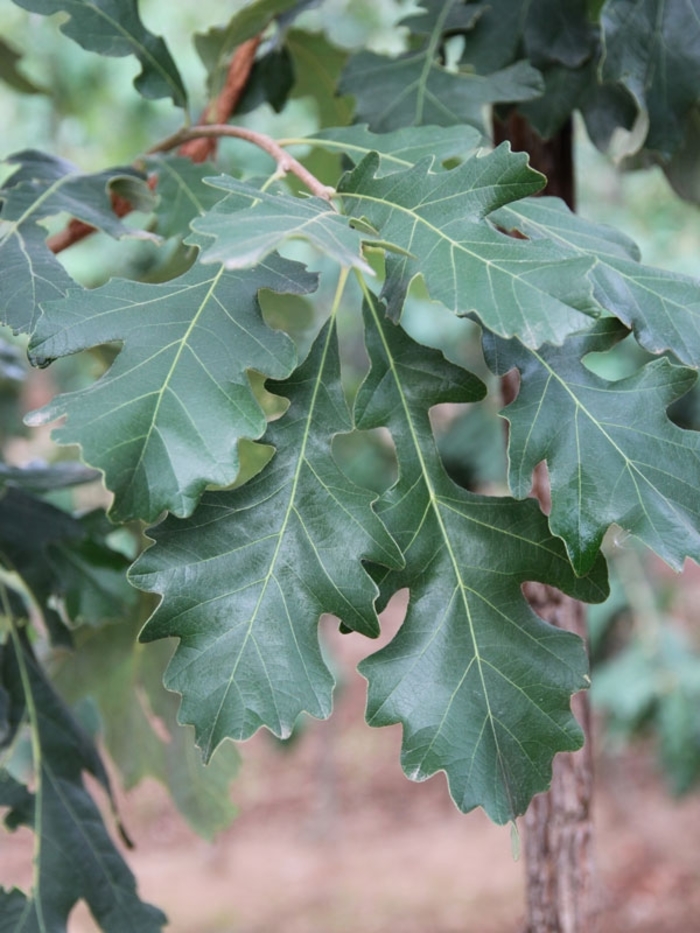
558,829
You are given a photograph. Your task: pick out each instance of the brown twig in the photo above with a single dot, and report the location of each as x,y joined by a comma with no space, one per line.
220,109
285,162
197,149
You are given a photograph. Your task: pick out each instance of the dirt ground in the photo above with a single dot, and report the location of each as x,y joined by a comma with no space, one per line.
332,838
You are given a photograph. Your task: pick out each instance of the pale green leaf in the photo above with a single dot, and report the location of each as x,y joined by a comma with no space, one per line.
481,684
612,453
113,27
533,290
246,578
249,224
401,149
125,681
165,419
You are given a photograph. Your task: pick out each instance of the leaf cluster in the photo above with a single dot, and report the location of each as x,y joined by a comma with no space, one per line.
217,420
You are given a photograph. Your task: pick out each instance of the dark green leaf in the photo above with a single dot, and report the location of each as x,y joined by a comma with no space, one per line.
611,452
10,73
391,93
113,27
662,307
480,684
437,219
653,48
63,559
165,420
245,580
75,858
218,44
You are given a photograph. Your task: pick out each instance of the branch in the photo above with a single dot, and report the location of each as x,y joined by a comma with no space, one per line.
220,109
285,162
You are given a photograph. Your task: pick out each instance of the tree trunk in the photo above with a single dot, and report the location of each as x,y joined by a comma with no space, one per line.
558,829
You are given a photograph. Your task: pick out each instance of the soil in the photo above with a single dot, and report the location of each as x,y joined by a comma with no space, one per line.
332,838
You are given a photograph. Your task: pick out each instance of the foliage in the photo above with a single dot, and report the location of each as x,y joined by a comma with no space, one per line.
214,422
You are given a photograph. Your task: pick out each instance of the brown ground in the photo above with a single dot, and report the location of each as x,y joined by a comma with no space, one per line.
331,838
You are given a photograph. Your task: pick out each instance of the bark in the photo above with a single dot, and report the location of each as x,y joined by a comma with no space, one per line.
558,846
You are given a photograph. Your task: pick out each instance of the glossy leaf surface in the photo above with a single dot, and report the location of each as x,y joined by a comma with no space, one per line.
245,580
438,220
480,684
153,422
612,453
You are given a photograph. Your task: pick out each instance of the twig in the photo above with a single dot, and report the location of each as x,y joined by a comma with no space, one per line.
220,109
285,162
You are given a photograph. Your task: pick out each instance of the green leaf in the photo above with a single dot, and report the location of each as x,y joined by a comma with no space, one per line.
662,307
125,680
317,67
533,290
249,224
182,193
65,561
245,580
215,46
114,28
417,88
480,683
611,452
559,33
41,187
413,90
401,149
166,418
652,47
75,859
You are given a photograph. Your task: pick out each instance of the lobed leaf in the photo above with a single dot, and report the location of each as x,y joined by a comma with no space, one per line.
246,578
114,27
400,149
416,88
166,418
41,187
249,224
536,291
481,684
662,307
611,452
652,47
